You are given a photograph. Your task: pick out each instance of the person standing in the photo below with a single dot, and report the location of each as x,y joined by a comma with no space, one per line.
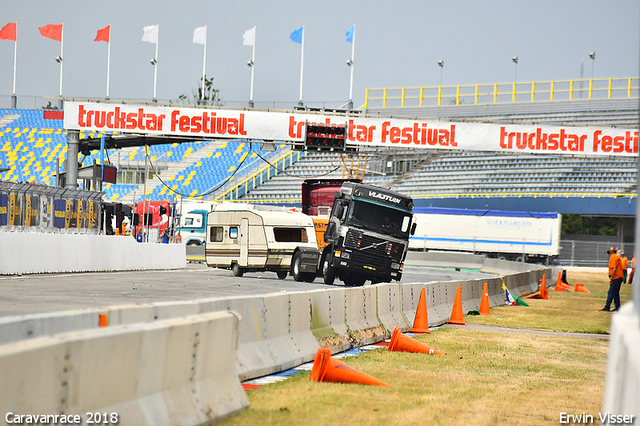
615,280
624,262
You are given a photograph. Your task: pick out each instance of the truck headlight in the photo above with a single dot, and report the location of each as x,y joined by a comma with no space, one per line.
395,265
345,255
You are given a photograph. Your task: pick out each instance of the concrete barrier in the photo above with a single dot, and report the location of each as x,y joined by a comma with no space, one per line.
35,253
361,315
389,304
328,323
283,330
178,371
445,259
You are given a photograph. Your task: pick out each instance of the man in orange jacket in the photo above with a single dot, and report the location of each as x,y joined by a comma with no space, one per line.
615,280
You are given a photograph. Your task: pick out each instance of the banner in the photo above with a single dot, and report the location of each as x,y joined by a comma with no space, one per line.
4,209
32,216
59,213
364,132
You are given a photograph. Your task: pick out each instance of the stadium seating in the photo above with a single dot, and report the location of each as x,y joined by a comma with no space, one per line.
30,147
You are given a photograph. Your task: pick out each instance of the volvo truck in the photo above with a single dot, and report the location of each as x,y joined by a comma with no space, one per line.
366,236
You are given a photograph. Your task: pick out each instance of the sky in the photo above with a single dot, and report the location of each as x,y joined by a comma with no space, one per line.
397,44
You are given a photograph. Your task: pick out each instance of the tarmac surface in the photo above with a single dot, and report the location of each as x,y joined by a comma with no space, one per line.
40,293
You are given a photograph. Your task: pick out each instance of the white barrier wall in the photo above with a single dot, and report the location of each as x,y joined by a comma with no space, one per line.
34,253
622,386
178,371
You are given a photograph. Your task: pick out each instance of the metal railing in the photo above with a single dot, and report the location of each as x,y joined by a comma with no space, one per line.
473,94
261,176
590,253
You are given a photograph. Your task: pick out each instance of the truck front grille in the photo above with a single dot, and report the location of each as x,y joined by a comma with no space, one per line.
371,250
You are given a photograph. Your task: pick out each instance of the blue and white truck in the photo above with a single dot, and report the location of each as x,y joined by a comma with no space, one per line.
519,236
193,221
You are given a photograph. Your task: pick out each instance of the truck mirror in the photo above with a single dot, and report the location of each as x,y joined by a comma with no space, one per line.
413,228
339,210
331,229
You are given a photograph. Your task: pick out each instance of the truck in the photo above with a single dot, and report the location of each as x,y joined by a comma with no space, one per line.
152,217
365,233
518,236
192,221
250,238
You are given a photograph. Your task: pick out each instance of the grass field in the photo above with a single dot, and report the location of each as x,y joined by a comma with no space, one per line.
486,378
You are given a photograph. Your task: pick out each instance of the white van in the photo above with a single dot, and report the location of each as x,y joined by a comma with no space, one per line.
249,238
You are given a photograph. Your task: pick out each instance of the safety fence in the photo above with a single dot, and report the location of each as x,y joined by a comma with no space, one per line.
40,208
261,176
473,94
590,253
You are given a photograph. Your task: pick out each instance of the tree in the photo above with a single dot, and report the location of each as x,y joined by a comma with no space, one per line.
211,94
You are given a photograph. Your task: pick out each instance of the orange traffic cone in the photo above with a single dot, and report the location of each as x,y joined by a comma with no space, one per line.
562,283
543,287
102,320
327,369
559,285
456,312
421,321
401,343
484,302
581,289
542,293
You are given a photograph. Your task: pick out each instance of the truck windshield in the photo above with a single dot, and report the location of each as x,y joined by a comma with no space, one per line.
379,218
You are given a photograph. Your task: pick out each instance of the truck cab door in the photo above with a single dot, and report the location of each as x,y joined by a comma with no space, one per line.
244,242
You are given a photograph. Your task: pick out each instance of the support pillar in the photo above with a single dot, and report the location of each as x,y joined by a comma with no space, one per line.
73,142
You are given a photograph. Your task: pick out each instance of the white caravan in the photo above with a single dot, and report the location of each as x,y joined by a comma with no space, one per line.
248,238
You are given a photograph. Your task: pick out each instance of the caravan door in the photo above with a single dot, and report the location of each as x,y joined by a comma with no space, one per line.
244,242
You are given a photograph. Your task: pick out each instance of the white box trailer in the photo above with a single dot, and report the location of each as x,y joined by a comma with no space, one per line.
510,235
248,238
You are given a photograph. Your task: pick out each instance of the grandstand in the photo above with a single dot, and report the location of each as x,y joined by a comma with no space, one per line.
31,147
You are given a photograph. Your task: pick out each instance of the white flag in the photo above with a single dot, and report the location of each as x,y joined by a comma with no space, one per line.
200,35
249,37
150,34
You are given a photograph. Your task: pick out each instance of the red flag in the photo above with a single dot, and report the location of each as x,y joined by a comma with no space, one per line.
52,31
8,32
103,34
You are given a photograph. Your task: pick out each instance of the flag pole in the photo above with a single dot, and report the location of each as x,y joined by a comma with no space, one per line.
108,61
204,63
301,66
155,66
61,62
253,64
14,100
353,54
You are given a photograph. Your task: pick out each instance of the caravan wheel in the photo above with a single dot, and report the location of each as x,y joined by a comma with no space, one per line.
237,270
282,274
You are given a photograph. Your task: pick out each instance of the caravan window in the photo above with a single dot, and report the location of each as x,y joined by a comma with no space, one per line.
233,232
290,235
216,234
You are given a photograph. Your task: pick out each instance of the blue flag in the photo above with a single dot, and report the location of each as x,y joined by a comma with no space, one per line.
296,35
350,34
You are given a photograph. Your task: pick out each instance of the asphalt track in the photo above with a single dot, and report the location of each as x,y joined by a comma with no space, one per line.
41,293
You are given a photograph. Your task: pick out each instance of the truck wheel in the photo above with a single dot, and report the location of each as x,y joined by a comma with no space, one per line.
296,268
328,271
237,270
282,274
